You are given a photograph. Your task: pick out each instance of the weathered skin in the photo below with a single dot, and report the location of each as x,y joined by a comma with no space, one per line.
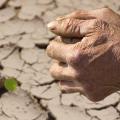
92,64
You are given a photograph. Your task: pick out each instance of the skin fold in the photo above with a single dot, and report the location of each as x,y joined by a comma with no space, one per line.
86,52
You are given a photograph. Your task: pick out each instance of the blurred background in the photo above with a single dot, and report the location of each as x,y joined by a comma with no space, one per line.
23,40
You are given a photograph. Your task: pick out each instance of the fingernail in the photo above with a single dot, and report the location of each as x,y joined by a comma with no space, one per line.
51,25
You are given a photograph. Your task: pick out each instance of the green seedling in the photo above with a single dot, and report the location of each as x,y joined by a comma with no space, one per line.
10,84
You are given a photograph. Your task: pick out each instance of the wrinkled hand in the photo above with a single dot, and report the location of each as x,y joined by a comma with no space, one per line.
92,64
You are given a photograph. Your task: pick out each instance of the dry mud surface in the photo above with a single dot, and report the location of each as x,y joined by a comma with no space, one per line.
23,39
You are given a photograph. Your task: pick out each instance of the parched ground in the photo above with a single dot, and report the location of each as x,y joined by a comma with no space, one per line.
23,39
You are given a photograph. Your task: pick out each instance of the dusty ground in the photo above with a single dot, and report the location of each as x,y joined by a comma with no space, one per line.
23,39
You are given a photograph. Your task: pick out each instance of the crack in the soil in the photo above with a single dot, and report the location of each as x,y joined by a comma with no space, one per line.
47,83
95,118
86,111
50,9
37,117
51,116
105,107
15,47
55,3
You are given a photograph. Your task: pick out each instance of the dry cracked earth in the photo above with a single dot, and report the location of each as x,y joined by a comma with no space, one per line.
23,40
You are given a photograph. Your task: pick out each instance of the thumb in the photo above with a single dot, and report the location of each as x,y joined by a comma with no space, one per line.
71,27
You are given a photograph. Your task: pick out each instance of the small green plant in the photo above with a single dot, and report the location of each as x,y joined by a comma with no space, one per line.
10,84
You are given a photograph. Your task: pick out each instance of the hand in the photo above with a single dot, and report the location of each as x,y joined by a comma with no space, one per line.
92,64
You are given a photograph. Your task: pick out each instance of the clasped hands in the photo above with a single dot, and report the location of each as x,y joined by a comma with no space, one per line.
86,53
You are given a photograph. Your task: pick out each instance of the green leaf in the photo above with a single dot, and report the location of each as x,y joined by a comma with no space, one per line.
10,84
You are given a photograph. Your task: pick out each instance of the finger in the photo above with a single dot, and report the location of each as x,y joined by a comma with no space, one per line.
71,27
58,50
101,13
61,71
79,14
84,14
70,87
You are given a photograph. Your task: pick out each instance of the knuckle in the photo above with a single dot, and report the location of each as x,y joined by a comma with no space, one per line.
52,71
76,75
80,57
68,22
95,22
100,25
91,24
73,57
65,25
48,49
71,25
55,71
